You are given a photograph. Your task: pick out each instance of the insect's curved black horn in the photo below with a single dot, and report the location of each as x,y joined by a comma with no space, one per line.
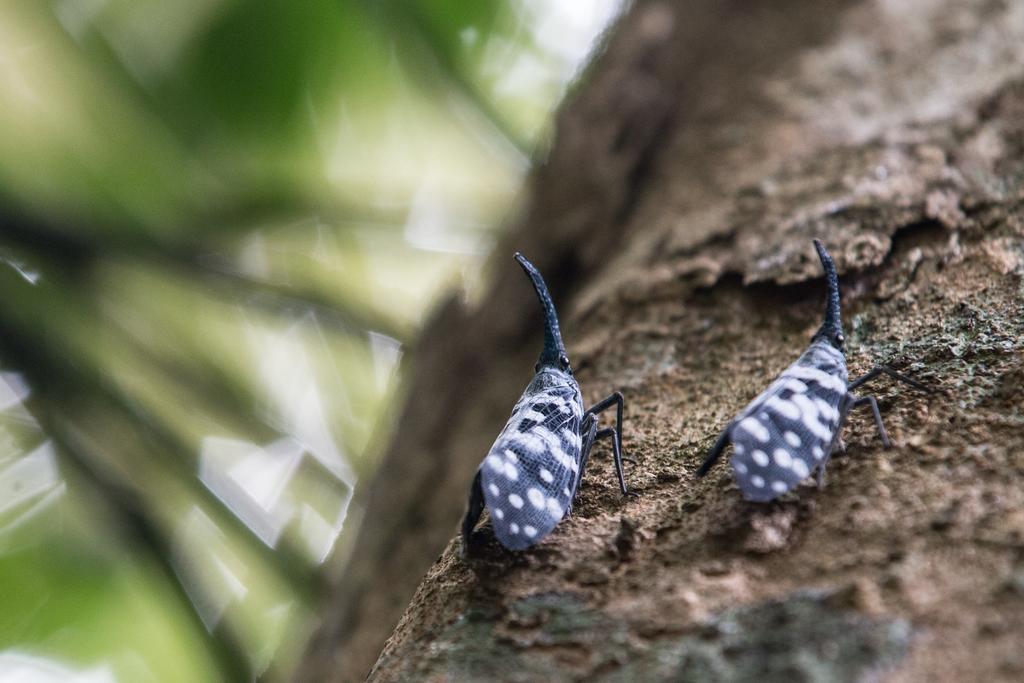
553,347
832,322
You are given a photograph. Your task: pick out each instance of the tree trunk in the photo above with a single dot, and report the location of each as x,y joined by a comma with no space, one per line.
673,220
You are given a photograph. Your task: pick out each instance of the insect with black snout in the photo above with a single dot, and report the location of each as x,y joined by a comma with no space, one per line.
530,477
792,428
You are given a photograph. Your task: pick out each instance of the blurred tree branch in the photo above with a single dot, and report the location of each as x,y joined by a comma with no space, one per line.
77,247
67,384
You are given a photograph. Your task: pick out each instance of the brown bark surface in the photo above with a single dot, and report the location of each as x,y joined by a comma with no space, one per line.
673,221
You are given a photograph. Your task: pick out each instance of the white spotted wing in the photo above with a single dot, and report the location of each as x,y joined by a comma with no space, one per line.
529,476
788,431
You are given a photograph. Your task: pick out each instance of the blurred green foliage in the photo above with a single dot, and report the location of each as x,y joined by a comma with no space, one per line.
220,224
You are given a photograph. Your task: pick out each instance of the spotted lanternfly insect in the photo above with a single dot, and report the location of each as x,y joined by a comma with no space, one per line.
794,426
531,474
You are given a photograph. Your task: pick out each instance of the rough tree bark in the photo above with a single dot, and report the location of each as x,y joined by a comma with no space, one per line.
710,142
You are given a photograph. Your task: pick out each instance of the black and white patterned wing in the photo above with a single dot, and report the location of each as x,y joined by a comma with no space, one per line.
529,475
788,431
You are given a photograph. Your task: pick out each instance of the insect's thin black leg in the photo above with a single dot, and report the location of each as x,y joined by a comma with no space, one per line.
610,431
473,512
886,370
870,400
616,400
589,430
865,378
716,452
604,404
599,407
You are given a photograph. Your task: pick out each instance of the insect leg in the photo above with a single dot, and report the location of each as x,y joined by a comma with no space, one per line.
604,404
886,370
617,400
870,400
716,452
476,507
589,431
617,450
